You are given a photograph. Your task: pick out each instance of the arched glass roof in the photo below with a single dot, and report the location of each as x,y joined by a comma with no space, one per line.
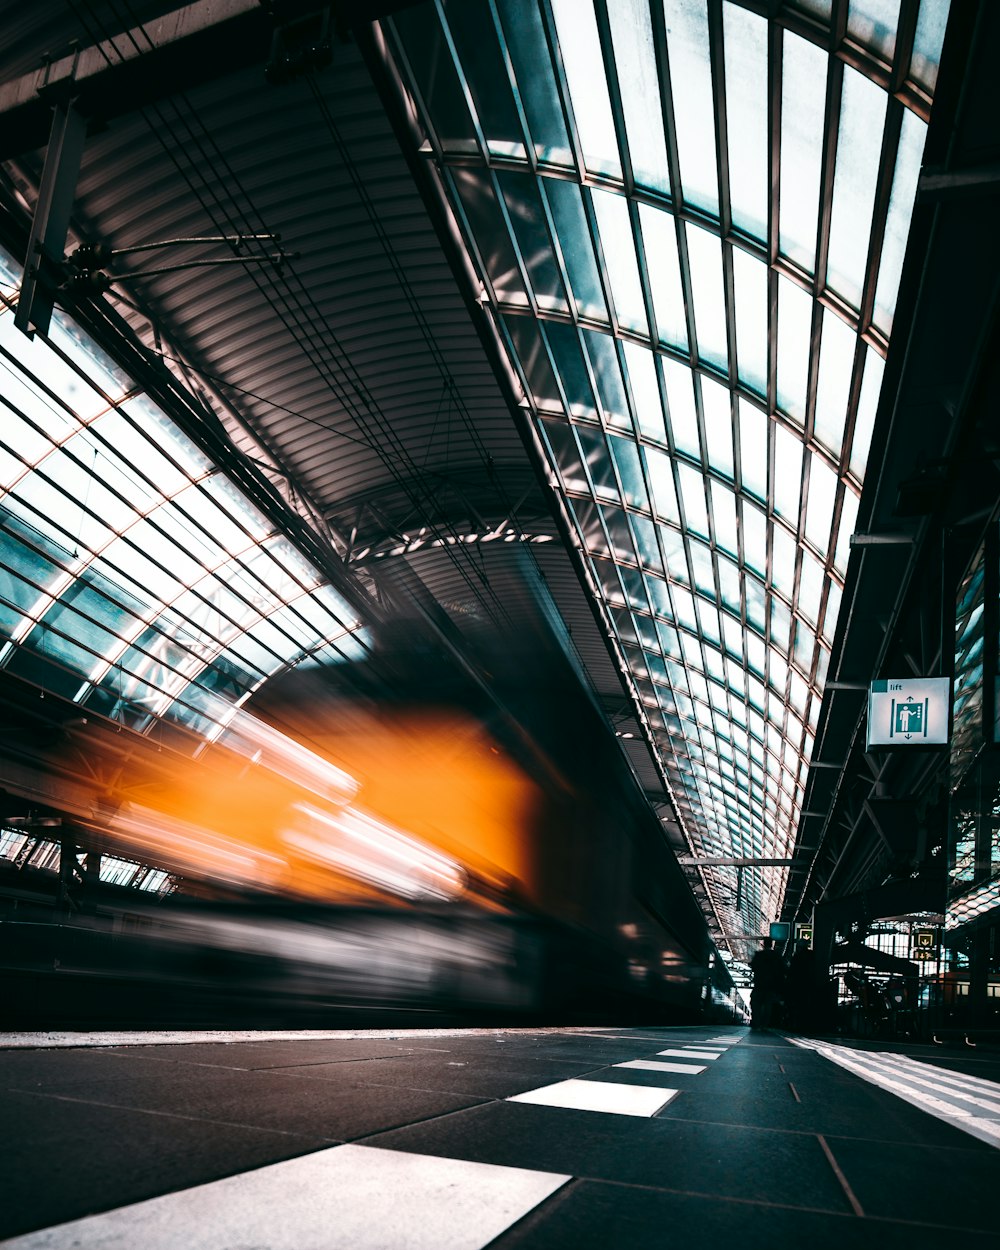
135,577
689,223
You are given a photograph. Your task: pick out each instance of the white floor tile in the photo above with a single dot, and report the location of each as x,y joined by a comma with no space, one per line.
345,1198
642,1100
654,1065
689,1054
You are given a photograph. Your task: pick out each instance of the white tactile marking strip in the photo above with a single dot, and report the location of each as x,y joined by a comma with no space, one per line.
689,1054
345,1198
967,1102
609,1096
652,1065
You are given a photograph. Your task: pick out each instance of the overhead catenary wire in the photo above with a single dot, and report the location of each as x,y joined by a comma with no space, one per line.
296,308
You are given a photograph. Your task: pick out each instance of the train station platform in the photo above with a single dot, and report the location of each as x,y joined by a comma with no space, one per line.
521,1138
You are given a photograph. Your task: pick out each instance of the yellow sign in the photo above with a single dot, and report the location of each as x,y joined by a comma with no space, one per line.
804,933
925,939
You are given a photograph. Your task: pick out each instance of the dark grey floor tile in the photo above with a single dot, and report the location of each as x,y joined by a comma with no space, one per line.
710,1159
331,1109
253,1055
492,1079
19,1066
60,1166
879,1117
933,1184
592,1215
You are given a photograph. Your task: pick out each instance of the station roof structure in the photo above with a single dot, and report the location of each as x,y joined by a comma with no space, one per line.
467,304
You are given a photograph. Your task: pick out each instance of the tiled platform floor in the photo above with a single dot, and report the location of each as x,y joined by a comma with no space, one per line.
520,1138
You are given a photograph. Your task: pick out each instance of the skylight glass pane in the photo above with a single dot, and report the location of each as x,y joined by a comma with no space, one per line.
803,109
746,118
810,588
659,240
708,293
753,449
661,482
646,546
834,595
716,404
750,284
536,84
783,556
724,516
848,520
527,218
618,245
693,101
702,568
754,538
639,85
862,120
794,335
674,557
729,584
787,475
645,392
680,400
872,23
475,191
564,344
781,623
608,376
477,50
693,498
580,45
927,42
819,504
573,238
864,423
897,226
756,597
627,459
836,365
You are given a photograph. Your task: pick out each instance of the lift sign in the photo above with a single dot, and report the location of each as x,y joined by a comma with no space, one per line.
909,712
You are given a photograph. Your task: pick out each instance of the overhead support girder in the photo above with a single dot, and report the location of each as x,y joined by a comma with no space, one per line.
50,224
134,68
469,507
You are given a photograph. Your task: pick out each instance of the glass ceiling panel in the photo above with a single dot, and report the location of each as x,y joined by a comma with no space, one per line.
659,240
683,415
746,119
583,62
767,509
539,95
693,101
904,191
872,23
862,120
708,290
639,86
618,246
836,365
803,111
122,517
750,284
928,41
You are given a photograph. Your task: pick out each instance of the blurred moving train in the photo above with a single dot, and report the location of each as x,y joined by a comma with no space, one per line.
395,839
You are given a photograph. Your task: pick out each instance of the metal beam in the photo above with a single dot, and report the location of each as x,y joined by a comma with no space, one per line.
128,69
730,861
936,185
50,224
